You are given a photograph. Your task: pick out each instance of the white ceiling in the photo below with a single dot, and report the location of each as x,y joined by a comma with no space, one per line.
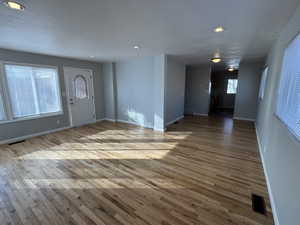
108,29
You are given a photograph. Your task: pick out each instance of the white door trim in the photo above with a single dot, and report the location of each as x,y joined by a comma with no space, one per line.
68,97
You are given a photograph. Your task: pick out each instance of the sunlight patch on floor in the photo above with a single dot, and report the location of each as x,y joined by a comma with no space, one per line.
114,146
98,183
65,155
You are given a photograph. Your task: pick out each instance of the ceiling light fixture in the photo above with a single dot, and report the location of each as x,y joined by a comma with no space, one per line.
14,5
136,47
219,29
230,69
216,60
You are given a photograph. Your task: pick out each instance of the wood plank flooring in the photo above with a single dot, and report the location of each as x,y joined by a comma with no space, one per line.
201,171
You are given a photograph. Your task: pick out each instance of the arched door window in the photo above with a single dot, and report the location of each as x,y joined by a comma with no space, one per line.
81,91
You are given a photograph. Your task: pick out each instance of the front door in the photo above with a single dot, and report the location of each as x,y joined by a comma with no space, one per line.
80,94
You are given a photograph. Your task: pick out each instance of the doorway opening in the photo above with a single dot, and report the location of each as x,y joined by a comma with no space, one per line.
223,89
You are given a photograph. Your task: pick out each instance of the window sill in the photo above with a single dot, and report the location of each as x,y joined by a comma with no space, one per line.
290,132
31,117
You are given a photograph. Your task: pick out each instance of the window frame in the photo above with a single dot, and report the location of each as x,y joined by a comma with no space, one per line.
2,96
227,86
290,132
7,100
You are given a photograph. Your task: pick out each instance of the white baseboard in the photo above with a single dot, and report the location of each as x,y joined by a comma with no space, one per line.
242,118
111,120
134,123
12,140
106,119
173,121
160,129
272,201
124,121
200,114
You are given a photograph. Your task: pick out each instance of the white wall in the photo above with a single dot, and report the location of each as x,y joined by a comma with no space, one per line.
134,85
159,93
147,91
175,90
109,91
280,149
246,99
197,94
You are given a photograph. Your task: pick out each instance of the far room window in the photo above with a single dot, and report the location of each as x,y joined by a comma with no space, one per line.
288,102
32,90
232,86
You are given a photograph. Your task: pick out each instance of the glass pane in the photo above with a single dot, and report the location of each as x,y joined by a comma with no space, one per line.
2,114
232,86
47,90
21,90
80,87
32,90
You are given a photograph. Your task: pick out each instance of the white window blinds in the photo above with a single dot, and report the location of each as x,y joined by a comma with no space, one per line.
288,105
32,90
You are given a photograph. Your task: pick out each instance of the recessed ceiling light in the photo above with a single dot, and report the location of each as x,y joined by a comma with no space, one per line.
230,69
136,47
14,5
219,29
216,60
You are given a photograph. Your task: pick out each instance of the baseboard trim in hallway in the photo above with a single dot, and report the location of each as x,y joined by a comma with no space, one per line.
135,123
174,121
245,119
200,114
272,201
125,121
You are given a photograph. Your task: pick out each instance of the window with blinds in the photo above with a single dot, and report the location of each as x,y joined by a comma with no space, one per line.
288,105
33,90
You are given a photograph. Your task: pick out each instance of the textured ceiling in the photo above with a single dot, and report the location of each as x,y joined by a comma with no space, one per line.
108,29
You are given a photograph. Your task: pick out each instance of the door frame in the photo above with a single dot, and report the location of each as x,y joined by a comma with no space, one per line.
68,97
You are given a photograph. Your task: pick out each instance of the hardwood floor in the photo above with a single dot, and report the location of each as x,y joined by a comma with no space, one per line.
201,171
